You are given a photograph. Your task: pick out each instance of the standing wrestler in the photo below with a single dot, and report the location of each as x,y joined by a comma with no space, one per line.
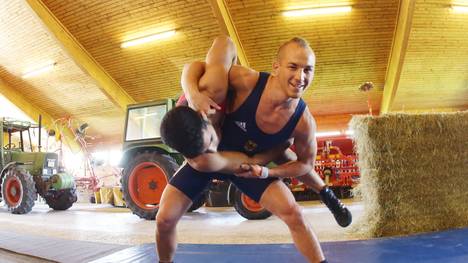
258,121
205,85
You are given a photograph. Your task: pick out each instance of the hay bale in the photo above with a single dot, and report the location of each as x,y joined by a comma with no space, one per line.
414,172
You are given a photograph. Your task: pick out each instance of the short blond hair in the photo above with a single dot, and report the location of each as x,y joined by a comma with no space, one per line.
296,40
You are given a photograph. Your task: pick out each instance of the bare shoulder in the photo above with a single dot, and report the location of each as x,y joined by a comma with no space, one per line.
306,127
242,78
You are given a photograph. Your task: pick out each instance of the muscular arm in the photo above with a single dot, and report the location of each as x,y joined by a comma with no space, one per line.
312,179
230,162
191,75
306,150
205,83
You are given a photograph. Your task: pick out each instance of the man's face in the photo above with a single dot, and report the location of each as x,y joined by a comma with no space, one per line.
295,69
210,138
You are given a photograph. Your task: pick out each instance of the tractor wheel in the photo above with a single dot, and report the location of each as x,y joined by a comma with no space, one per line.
248,208
18,190
61,199
199,202
144,180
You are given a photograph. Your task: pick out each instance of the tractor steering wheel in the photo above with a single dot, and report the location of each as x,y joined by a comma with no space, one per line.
9,146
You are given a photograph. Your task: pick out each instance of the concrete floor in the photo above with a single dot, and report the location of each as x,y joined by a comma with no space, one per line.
107,224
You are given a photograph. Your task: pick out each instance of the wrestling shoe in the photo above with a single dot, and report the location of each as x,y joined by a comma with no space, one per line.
340,212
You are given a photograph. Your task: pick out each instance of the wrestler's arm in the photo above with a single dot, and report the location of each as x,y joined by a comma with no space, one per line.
205,84
199,98
306,150
230,162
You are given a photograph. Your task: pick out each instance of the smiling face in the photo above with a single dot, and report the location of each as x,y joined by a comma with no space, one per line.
294,68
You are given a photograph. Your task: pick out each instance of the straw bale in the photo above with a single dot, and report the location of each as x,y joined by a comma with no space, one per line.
414,172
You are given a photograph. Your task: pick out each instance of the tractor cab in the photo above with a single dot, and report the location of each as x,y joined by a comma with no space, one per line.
142,127
10,127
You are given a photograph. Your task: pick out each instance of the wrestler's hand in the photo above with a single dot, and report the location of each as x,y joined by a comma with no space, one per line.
250,171
204,104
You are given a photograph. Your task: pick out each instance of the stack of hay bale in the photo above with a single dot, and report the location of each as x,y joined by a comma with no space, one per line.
414,172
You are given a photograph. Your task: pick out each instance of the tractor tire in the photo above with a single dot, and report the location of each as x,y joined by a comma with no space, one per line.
61,199
18,190
248,208
199,202
144,180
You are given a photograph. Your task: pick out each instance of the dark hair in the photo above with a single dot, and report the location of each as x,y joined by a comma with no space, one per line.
182,129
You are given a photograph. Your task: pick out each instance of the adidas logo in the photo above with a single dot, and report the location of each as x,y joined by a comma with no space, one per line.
241,125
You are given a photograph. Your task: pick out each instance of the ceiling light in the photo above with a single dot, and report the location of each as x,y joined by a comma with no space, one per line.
327,134
39,71
460,8
147,39
317,11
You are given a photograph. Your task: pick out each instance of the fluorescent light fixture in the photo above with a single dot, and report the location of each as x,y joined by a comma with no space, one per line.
317,11
39,71
460,8
327,134
147,39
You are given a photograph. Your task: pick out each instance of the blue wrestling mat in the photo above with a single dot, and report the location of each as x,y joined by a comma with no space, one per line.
446,246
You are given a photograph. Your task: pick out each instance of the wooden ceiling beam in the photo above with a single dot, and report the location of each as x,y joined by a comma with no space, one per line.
33,112
82,58
397,53
227,27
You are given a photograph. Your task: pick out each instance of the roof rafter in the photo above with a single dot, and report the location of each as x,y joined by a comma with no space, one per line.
227,27
397,53
33,112
82,58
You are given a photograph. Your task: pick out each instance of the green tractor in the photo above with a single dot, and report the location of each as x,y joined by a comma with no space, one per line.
26,174
148,165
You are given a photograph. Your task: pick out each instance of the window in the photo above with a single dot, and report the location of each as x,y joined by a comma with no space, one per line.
143,123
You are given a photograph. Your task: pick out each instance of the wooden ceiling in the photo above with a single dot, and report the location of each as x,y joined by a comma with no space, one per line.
416,50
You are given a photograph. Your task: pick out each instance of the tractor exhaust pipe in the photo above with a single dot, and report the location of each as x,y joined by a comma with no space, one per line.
40,131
